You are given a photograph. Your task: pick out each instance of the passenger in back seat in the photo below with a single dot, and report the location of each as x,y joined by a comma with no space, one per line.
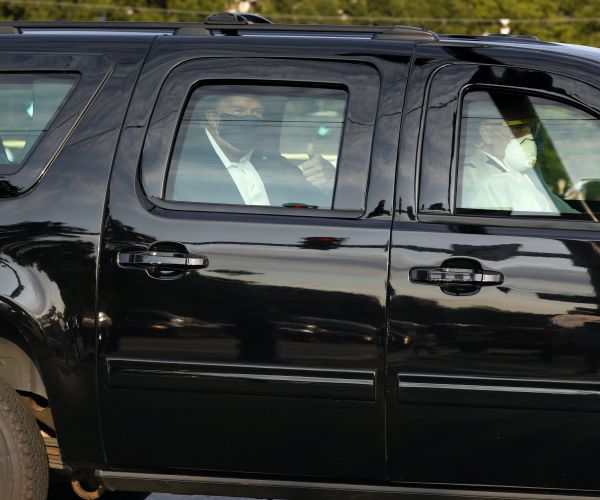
231,162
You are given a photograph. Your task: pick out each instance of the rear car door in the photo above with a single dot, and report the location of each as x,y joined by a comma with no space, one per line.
494,341
62,110
265,354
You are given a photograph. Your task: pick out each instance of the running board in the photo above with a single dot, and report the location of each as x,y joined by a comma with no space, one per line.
296,490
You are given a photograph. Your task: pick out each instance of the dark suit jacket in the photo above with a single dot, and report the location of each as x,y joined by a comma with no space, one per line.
197,174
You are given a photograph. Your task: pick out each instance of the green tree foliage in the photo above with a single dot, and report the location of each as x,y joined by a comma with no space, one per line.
571,21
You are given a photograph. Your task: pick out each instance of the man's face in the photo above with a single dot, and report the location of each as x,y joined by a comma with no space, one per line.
232,121
496,134
240,105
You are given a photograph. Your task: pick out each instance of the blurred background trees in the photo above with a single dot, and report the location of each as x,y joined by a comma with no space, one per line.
571,21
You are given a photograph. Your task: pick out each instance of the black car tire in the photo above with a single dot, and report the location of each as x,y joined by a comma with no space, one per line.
23,460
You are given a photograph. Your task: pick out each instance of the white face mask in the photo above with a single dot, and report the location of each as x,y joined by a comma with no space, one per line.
521,154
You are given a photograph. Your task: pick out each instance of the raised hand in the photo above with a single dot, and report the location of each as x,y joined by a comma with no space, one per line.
317,170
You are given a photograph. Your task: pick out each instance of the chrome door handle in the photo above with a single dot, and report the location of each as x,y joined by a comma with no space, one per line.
154,260
455,276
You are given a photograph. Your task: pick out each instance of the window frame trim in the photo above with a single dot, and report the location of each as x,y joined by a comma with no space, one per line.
92,70
515,221
192,206
518,221
53,119
349,82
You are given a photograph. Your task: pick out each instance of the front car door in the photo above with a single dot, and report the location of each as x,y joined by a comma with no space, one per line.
494,339
265,355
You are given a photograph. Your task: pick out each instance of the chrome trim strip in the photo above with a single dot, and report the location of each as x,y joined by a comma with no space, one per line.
491,380
498,388
94,32
242,379
256,376
249,366
309,36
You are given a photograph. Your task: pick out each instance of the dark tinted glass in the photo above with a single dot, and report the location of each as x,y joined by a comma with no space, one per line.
258,145
28,103
526,155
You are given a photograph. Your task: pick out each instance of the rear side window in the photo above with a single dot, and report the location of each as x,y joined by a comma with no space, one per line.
29,102
526,155
258,145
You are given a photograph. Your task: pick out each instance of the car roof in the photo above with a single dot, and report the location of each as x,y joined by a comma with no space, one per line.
224,24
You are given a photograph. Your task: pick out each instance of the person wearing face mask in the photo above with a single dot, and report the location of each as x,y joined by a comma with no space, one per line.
502,173
232,162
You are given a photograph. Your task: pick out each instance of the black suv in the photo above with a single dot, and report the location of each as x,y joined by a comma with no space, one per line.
240,258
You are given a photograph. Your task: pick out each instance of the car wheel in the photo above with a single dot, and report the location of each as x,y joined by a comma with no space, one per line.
23,460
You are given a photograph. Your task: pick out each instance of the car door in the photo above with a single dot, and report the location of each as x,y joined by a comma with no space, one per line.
494,340
248,338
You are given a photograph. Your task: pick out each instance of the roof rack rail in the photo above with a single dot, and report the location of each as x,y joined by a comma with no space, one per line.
406,33
16,27
380,32
229,28
496,36
236,18
243,19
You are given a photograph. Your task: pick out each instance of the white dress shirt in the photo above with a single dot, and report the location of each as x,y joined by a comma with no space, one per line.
489,184
245,176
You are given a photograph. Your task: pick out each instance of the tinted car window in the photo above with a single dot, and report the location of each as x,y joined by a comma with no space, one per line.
29,103
527,155
258,145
